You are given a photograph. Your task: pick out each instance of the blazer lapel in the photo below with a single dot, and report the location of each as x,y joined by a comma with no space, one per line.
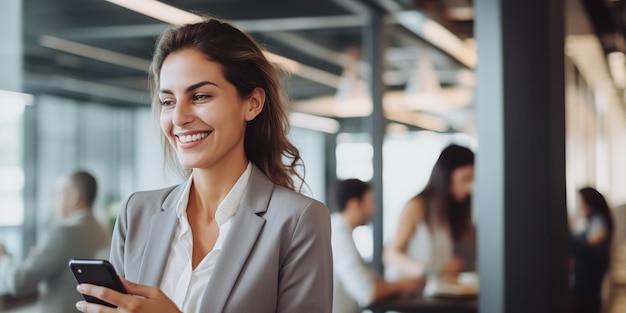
162,228
241,239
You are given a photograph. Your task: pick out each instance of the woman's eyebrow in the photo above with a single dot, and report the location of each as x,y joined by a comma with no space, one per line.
190,88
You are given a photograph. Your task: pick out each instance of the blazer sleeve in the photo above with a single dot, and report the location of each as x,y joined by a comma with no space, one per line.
306,277
118,240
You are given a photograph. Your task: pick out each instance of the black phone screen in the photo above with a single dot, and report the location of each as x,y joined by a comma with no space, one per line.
96,272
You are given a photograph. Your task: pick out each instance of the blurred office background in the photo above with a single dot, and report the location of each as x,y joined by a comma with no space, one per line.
74,94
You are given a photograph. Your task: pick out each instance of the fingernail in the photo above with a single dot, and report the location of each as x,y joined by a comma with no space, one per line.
80,305
80,288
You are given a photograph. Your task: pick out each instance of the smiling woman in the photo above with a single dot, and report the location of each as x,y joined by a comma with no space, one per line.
202,116
236,236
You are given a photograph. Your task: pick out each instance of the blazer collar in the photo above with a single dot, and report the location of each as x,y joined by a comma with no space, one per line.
247,225
162,229
255,198
258,192
245,229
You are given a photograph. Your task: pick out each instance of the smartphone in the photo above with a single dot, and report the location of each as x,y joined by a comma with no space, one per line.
96,272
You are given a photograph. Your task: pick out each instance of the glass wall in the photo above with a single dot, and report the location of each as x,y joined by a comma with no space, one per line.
11,175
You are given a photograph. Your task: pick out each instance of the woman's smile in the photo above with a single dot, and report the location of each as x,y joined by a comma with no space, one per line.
190,140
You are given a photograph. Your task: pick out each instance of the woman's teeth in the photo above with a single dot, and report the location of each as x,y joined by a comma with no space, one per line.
194,137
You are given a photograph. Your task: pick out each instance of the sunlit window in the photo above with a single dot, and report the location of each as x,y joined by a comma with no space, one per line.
11,172
354,157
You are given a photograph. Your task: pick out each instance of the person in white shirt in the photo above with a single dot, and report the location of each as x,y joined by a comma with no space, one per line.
356,284
78,235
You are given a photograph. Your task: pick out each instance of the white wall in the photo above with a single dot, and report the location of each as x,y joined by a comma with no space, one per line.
616,145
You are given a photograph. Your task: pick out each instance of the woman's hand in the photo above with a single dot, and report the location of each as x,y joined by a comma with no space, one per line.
139,299
453,268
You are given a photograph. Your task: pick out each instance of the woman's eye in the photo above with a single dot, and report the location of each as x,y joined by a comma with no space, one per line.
200,97
167,102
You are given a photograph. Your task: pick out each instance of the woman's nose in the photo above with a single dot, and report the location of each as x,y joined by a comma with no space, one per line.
183,114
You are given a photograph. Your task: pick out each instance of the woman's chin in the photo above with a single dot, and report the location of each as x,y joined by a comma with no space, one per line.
189,164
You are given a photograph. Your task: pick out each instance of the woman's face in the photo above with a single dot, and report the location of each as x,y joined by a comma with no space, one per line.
461,182
583,206
202,116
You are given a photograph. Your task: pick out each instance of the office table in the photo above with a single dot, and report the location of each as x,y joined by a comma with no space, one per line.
421,304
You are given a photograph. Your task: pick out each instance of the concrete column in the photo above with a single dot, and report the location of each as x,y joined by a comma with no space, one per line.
374,44
11,63
11,45
520,180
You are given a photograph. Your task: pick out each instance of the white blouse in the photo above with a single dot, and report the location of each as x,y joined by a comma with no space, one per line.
184,285
433,248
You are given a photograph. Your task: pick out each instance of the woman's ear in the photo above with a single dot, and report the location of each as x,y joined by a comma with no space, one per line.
255,103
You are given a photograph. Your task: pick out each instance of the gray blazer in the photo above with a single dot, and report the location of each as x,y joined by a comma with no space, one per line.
48,264
276,258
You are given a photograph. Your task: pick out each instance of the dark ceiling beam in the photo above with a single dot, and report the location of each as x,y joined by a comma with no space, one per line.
102,55
112,93
393,5
608,24
398,56
414,21
437,36
435,9
355,6
257,25
307,46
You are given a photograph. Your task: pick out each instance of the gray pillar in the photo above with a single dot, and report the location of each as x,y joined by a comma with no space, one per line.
11,45
330,174
520,180
11,49
374,37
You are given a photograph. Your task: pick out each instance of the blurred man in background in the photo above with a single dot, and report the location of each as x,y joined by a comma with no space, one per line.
78,235
355,283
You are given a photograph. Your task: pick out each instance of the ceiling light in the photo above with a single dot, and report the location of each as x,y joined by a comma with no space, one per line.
291,65
586,53
159,11
90,88
437,35
99,54
176,16
318,123
12,97
461,13
397,129
617,67
419,119
12,104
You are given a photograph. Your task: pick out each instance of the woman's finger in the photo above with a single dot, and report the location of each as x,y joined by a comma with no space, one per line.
102,293
140,290
87,307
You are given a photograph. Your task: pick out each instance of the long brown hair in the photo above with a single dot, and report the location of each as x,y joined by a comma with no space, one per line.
598,206
441,207
245,66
